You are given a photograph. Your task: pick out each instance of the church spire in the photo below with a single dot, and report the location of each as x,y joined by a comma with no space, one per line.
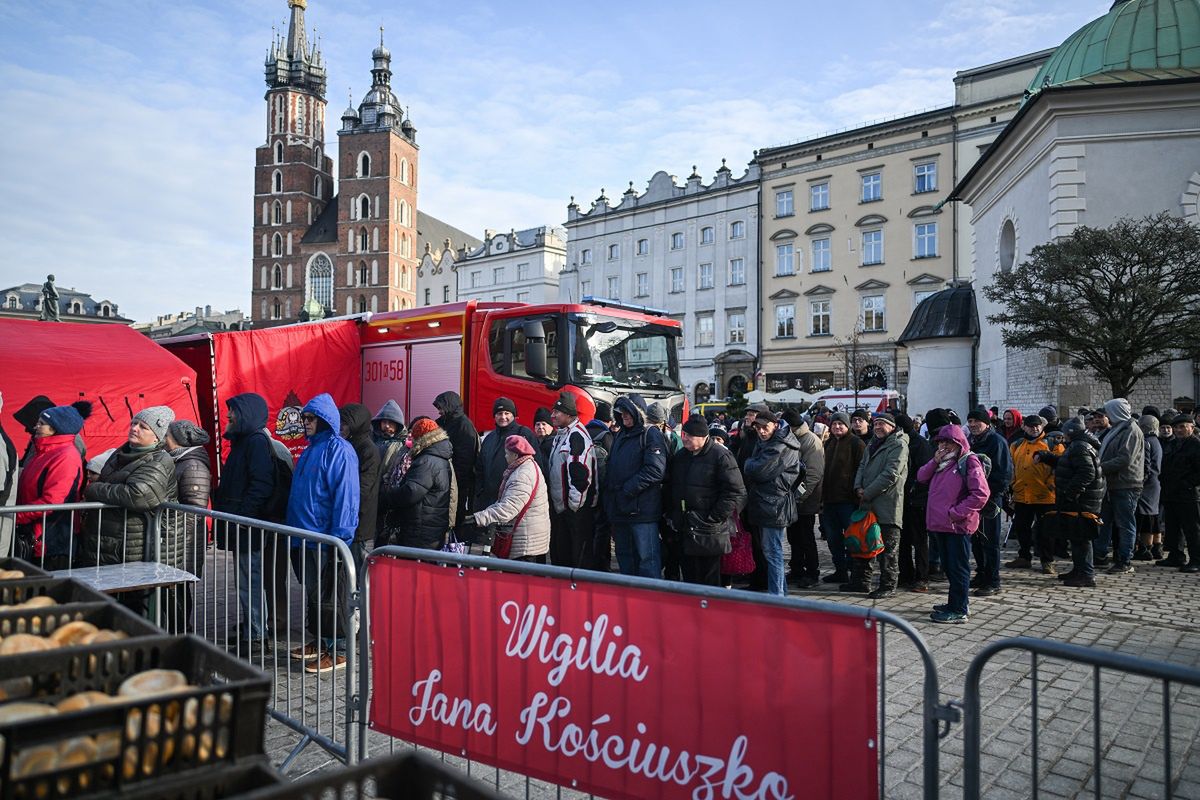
297,45
293,61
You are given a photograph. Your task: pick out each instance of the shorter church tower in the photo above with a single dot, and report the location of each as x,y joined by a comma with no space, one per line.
293,178
377,202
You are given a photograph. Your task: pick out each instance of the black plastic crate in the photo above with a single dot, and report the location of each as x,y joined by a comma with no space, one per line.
106,615
139,739
62,590
24,566
209,783
404,776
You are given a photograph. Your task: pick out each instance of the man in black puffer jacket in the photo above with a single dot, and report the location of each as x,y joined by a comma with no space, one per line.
1180,480
464,440
356,429
1078,494
419,509
704,490
771,503
632,491
490,466
914,538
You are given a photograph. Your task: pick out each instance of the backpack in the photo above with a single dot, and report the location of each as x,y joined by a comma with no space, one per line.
863,537
984,461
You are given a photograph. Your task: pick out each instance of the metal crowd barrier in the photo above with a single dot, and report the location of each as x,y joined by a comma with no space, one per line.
1164,673
935,716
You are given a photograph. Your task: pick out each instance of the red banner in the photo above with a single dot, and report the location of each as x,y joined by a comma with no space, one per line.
625,693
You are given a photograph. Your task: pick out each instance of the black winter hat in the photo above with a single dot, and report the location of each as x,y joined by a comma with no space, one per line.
1180,419
695,426
860,413
1073,428
604,411
541,415
981,414
936,419
1050,413
904,421
763,418
504,404
1152,411
886,417
566,404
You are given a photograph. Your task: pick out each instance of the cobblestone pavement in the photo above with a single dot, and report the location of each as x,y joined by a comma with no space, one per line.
1153,613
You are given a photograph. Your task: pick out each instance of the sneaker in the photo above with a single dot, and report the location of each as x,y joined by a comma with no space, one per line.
306,652
808,582
942,607
919,587
1019,563
1066,576
856,588
986,591
1080,582
881,593
1100,561
835,577
1048,568
326,663
1120,568
948,617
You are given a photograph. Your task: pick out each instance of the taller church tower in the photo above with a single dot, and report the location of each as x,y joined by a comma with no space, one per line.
377,205
293,178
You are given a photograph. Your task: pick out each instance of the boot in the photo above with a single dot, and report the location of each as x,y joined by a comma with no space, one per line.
1156,551
1142,554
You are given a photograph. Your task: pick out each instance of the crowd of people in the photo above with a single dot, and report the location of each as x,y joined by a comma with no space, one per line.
704,501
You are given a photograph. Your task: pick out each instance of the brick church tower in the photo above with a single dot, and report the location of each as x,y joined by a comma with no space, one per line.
377,207
293,178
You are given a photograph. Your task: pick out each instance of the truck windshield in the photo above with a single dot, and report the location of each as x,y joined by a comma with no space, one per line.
609,351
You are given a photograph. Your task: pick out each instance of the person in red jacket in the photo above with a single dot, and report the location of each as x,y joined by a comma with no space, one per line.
53,475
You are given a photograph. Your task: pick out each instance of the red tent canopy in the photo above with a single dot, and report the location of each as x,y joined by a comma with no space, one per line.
118,369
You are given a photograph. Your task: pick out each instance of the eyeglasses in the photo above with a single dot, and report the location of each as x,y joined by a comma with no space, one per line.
308,417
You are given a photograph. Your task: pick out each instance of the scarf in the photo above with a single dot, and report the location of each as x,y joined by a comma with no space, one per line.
510,469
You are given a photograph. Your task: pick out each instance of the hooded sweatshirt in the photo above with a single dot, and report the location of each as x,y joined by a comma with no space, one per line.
357,419
390,447
1123,449
1012,434
248,475
637,465
325,494
464,439
955,499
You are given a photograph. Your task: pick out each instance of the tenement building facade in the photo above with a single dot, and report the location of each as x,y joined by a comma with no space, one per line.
688,249
521,266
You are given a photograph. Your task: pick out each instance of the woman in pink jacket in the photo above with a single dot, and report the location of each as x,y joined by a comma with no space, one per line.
958,490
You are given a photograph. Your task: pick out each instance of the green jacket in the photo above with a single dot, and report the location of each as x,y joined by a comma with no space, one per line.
881,475
138,483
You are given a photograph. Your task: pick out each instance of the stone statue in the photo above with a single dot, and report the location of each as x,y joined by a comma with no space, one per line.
49,301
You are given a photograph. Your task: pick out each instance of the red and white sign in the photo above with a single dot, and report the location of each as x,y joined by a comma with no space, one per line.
625,693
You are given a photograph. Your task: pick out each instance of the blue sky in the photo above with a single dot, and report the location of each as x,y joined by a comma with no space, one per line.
130,125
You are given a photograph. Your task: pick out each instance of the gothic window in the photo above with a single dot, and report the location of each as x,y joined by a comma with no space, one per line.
277,213
277,310
364,240
277,181
318,185
277,245
364,207
364,277
317,157
279,152
404,214
364,165
105,311
362,304
276,277
320,280
404,170
403,277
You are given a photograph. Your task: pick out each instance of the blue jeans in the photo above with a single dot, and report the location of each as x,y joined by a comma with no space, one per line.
772,545
1118,513
251,600
639,551
954,550
836,518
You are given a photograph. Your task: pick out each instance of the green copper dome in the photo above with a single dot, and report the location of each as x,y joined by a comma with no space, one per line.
1137,40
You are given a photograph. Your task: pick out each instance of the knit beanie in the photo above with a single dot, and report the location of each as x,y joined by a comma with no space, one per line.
936,419
719,432
860,413
422,427
1049,413
695,426
541,415
604,411
656,413
504,404
884,416
842,417
1152,411
64,419
187,433
980,414
904,422
157,419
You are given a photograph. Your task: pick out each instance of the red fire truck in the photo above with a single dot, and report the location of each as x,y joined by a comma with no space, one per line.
596,349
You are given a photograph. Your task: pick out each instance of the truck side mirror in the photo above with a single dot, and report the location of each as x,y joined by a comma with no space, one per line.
535,348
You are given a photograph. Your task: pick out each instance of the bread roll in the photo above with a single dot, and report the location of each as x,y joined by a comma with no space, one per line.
77,752
25,643
151,682
73,633
15,712
103,635
11,575
78,702
35,761
40,601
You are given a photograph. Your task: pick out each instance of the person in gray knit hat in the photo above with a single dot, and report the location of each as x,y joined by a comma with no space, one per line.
157,418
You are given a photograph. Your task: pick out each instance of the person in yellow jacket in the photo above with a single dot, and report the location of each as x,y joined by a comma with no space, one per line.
1033,493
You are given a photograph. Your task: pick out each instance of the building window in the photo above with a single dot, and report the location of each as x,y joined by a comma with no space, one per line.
785,259
737,229
277,310
277,245
643,246
706,236
362,304
277,277
12,302
405,214
925,240
643,284
497,275
364,240
676,280
676,241
925,177
428,296
822,259
872,187
585,256
279,152
919,297
872,248
523,272
737,327
404,170
704,330
614,252
818,317
277,181
364,165
585,288
475,276
104,311
364,275
737,271
522,297
277,213
497,298
818,196
784,206
446,294
614,287
704,276
364,207
318,186
785,321
873,314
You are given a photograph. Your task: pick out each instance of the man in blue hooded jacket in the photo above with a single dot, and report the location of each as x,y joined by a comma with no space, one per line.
324,499
632,491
